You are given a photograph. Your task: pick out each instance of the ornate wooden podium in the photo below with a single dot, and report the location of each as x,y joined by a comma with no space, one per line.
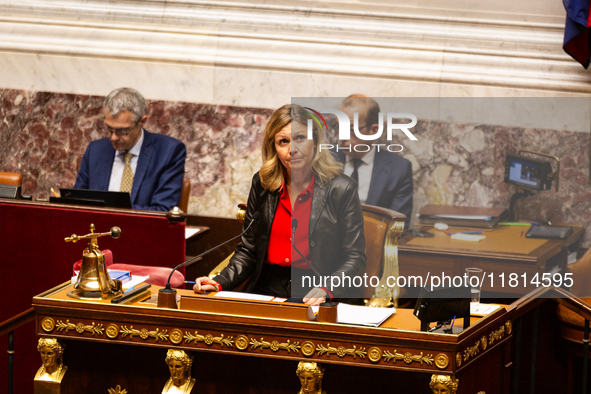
110,345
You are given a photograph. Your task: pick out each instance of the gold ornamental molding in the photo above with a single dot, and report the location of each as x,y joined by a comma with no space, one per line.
509,327
48,324
117,390
308,348
209,339
144,333
340,351
471,351
441,361
80,328
408,357
112,331
374,354
484,342
275,345
241,342
496,335
176,336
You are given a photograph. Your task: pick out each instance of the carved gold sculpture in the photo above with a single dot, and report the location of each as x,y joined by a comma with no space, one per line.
179,364
53,368
49,377
94,280
310,375
443,384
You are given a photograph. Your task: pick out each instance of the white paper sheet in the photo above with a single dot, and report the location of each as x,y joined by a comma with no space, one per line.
361,315
243,296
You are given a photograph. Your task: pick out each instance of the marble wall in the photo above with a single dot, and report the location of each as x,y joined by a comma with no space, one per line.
43,136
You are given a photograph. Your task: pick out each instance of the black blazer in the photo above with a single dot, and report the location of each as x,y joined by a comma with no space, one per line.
337,242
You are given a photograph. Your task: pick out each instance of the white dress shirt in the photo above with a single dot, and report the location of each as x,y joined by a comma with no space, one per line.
119,164
364,172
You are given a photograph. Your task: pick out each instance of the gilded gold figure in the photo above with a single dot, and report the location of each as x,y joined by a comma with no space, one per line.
179,364
53,368
310,375
443,384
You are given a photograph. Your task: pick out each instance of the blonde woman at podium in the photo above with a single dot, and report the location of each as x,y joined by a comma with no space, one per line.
300,181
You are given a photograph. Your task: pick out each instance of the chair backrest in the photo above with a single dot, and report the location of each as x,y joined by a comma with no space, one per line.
382,228
581,272
11,178
185,193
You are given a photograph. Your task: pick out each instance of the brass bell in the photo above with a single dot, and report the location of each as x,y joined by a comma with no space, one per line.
93,279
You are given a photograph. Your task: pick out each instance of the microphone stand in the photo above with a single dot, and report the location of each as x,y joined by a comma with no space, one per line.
294,226
167,296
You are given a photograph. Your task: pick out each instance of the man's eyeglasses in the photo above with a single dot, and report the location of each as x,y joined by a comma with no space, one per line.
120,132
360,128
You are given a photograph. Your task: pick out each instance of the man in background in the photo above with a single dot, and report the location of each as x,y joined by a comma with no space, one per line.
149,166
383,177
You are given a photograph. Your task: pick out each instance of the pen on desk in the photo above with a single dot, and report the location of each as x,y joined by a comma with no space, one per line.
128,290
190,282
473,232
517,224
447,232
521,235
53,192
452,324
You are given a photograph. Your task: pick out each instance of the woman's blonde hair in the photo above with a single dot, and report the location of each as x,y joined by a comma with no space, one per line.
271,173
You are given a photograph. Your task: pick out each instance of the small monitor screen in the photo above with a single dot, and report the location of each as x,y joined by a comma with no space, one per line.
525,173
528,173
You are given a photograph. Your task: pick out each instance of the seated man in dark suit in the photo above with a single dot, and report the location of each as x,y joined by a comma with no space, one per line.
384,178
149,166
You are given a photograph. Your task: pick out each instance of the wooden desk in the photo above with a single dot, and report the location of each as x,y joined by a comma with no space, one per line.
109,345
503,251
34,257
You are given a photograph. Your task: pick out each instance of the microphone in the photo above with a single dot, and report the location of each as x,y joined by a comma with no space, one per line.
167,296
294,225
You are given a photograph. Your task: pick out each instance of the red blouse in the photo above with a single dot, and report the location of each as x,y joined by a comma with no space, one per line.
280,250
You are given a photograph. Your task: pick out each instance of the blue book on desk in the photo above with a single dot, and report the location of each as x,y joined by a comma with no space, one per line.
123,276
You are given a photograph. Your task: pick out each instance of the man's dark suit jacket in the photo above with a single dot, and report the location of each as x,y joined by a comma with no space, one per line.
158,178
391,183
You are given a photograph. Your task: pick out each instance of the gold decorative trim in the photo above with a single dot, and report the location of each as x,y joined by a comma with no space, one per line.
308,348
374,354
408,357
112,331
176,336
341,351
80,328
242,342
496,335
458,359
209,339
509,327
275,346
472,350
441,361
484,342
117,390
144,333
47,324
